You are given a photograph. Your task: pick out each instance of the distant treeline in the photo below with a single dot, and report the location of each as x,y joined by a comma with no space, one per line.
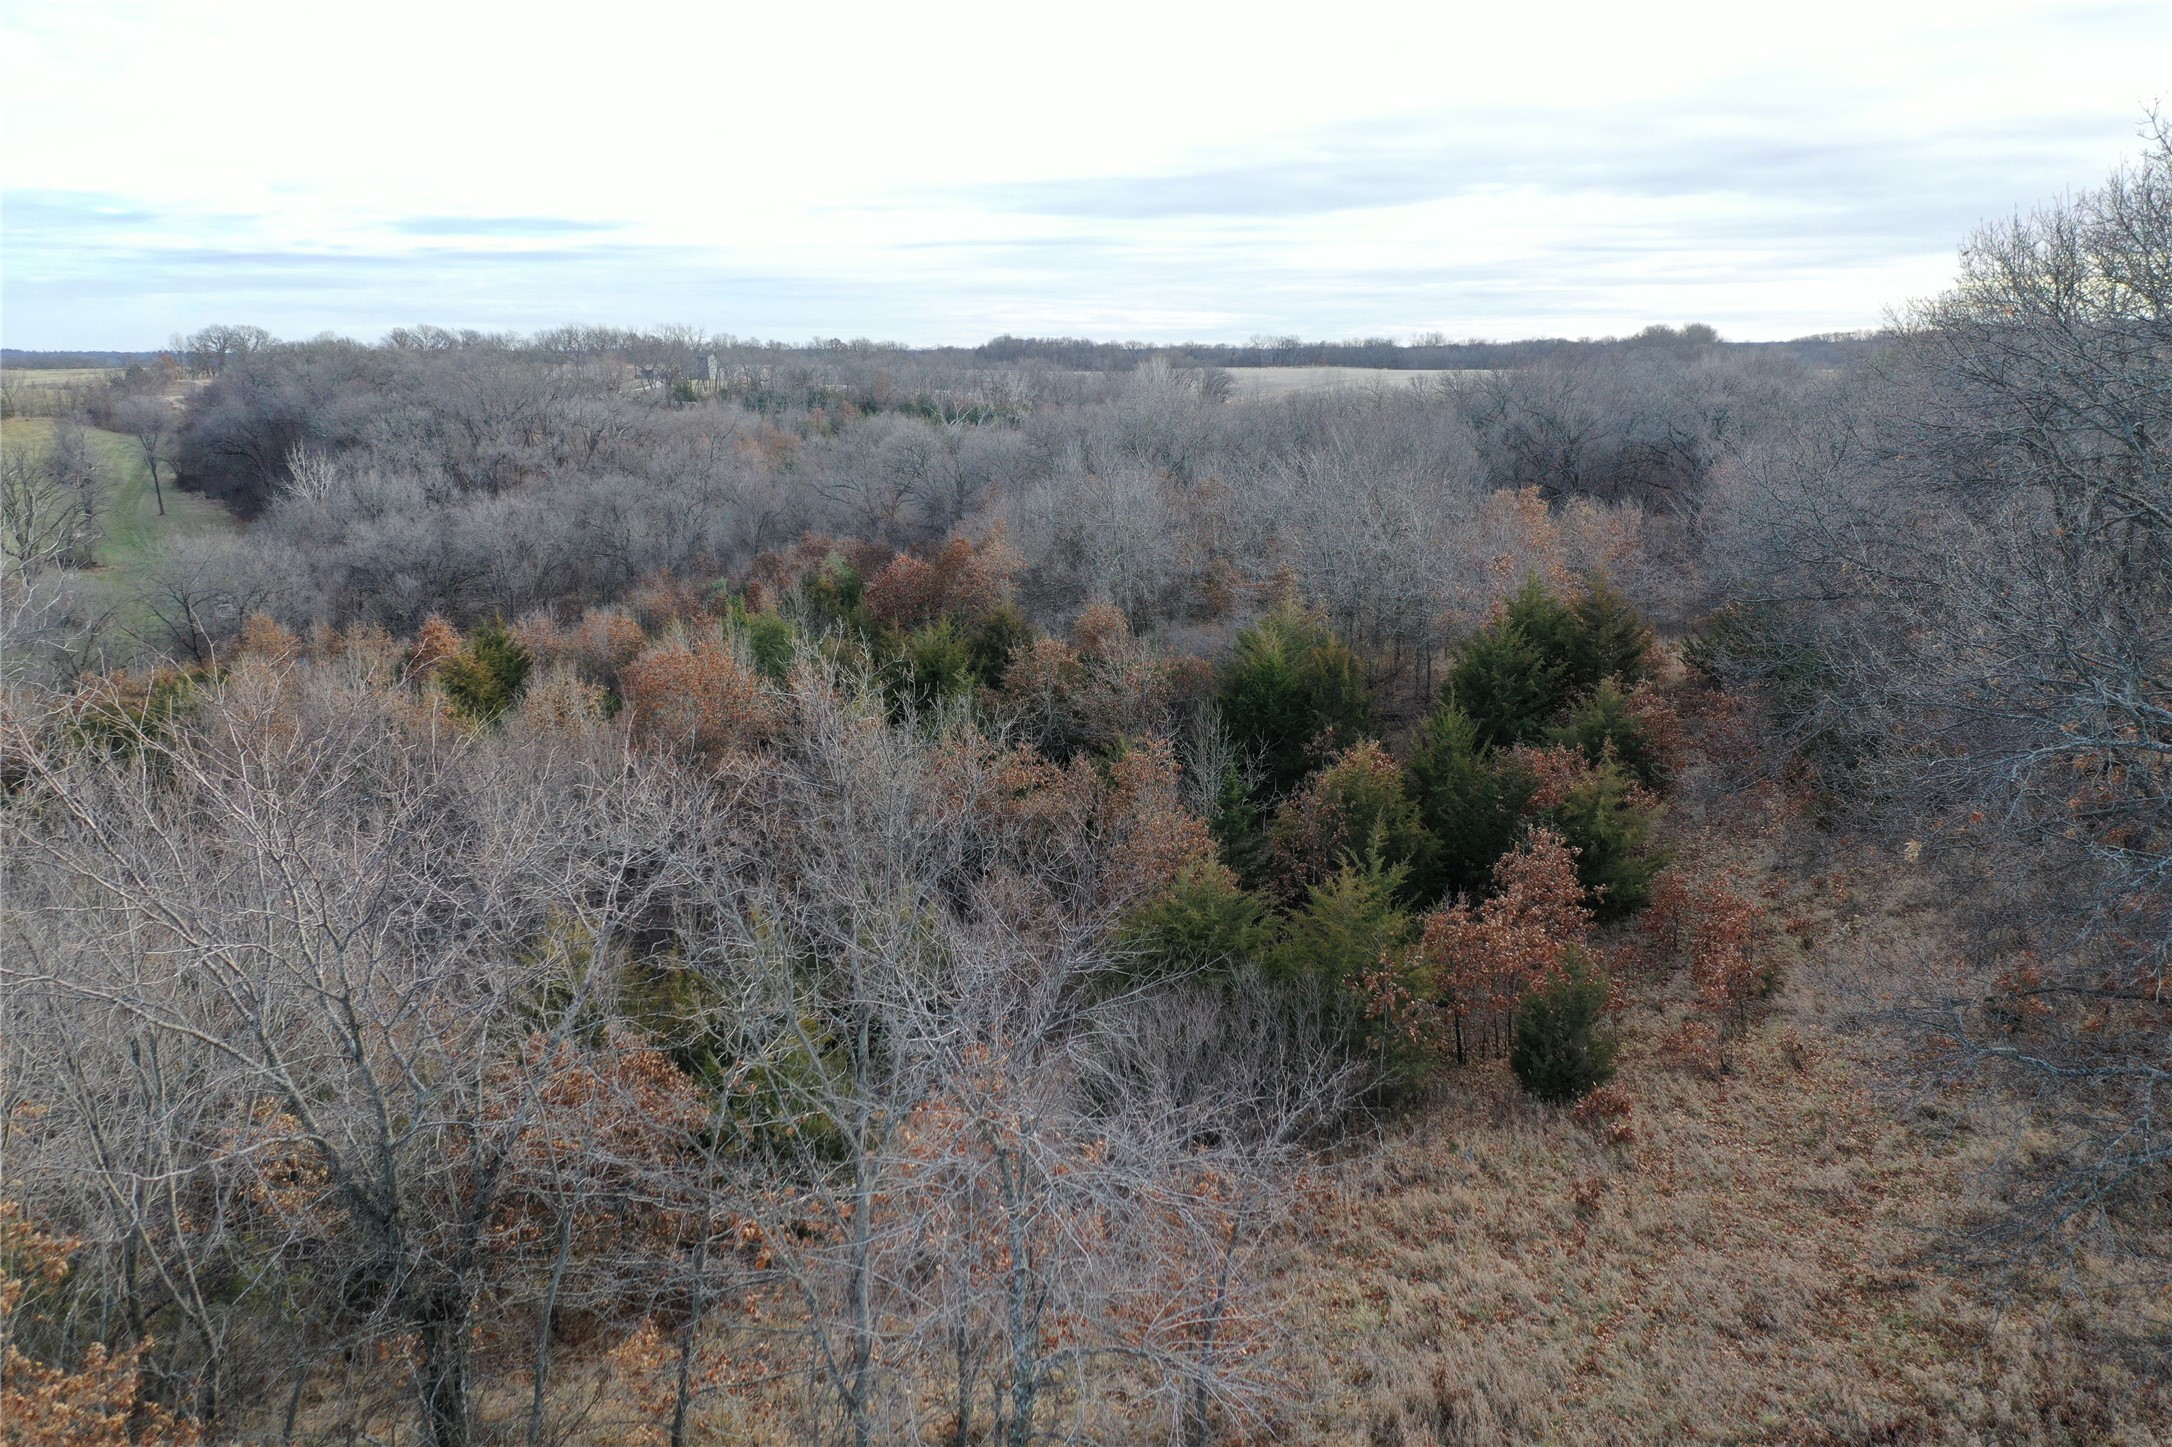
1419,354
15,359
1080,354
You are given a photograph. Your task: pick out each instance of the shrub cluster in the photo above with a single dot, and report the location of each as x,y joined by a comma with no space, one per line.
1351,875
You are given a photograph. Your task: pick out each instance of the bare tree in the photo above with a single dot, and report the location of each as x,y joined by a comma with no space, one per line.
209,350
332,964
52,500
1967,595
39,519
992,1203
150,420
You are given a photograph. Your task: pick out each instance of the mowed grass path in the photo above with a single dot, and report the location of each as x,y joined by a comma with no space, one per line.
133,528
132,524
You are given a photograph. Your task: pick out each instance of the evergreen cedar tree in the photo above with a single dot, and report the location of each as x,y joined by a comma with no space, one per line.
483,678
1565,1045
1290,691
1471,799
1548,745
1316,870
1359,806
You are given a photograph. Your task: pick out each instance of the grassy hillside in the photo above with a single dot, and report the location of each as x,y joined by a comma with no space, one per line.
1765,1255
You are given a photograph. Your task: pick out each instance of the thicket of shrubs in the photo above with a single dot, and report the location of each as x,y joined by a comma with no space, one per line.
1322,856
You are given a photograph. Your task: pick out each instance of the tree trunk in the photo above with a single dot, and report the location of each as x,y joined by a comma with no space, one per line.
682,1394
1199,1408
543,1329
444,1367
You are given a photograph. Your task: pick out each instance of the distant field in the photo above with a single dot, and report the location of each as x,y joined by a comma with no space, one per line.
46,391
1249,383
55,376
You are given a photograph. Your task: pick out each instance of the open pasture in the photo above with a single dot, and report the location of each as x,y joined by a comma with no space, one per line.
1253,383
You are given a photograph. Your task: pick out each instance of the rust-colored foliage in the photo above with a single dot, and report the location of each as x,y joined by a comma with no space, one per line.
1605,1112
435,642
1525,536
1523,528
907,592
1558,771
540,634
286,1180
262,637
1038,684
609,1123
1475,964
1665,734
99,1403
645,1366
1000,1206
560,704
1131,818
124,710
1101,631
700,699
1536,889
1695,1045
1189,680
1589,538
965,580
781,572
1718,924
1153,838
1722,960
661,599
1220,588
1357,802
369,649
984,1199
767,445
597,647
1666,918
1103,687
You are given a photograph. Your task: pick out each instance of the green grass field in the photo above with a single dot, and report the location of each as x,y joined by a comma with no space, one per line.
133,526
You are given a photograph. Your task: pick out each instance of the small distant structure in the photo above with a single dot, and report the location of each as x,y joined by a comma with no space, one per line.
699,378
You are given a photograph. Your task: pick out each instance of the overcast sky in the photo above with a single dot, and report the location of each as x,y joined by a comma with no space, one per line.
947,172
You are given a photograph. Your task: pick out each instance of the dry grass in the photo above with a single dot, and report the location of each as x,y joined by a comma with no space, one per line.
48,392
60,376
1763,1262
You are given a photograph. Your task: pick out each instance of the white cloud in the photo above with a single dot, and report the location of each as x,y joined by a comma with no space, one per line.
1138,170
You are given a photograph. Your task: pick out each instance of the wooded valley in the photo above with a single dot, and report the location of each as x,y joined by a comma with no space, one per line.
643,887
